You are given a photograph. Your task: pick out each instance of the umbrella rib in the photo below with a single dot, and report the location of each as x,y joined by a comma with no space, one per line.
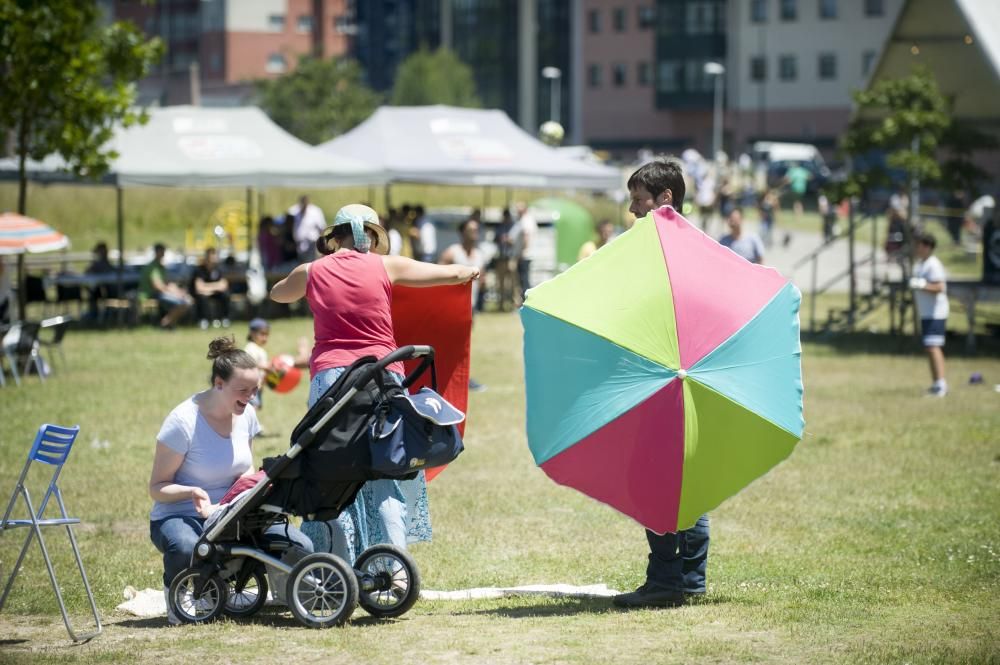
750,364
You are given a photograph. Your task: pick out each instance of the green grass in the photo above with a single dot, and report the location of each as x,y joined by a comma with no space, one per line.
876,541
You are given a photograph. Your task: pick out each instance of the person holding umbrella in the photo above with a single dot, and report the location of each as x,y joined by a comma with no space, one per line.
677,561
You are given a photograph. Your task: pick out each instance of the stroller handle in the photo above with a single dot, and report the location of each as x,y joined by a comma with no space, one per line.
409,352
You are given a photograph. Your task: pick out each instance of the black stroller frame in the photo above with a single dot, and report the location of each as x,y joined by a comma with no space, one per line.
231,567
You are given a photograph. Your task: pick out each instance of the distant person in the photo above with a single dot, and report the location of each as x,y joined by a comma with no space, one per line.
929,284
523,237
503,261
746,244
257,337
677,561
704,198
426,236
392,225
980,212
768,207
797,178
100,265
210,288
605,231
466,252
899,202
828,216
269,243
153,283
308,224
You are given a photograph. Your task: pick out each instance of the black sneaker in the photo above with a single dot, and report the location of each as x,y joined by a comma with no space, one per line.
648,596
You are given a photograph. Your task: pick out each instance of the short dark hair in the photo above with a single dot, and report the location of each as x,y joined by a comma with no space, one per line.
465,224
928,239
660,175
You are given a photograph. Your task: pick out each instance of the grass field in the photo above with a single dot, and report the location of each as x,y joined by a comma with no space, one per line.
877,541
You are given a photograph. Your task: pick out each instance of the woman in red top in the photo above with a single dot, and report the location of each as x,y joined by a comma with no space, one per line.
349,290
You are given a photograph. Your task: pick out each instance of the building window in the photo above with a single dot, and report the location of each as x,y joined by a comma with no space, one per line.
758,11
789,10
643,73
618,73
594,76
758,69
827,66
867,62
695,78
874,8
619,19
305,23
647,16
276,63
276,22
669,76
703,17
788,67
594,20
828,9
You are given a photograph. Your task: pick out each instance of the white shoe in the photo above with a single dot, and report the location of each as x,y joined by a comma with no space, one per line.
171,617
937,391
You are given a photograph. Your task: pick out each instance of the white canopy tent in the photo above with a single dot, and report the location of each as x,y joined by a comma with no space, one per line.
188,146
959,41
458,146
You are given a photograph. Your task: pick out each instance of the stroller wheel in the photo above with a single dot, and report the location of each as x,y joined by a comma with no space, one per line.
389,581
195,598
251,597
322,590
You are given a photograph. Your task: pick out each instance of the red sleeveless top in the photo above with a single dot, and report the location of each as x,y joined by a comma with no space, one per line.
350,296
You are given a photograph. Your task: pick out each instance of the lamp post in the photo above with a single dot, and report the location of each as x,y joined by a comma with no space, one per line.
553,74
717,70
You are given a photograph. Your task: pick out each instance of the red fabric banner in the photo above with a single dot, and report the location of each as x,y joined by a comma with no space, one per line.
440,316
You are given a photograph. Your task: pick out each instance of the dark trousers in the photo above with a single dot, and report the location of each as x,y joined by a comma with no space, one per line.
524,276
203,306
677,561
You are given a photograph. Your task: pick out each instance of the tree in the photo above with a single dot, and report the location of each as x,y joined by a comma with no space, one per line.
437,77
319,100
67,82
909,120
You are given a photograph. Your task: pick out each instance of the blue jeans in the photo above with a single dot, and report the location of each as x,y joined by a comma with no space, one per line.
177,536
677,561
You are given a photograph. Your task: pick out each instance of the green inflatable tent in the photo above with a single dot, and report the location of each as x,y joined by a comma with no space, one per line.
574,226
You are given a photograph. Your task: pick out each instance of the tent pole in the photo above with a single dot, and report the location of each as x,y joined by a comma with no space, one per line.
249,223
22,297
371,196
388,197
486,198
120,223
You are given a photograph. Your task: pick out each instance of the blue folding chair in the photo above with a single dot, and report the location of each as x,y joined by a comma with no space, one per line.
51,447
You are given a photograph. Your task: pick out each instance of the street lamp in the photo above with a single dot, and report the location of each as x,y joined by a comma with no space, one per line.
553,74
717,70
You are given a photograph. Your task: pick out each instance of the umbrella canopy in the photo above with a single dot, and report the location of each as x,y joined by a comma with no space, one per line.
663,373
20,234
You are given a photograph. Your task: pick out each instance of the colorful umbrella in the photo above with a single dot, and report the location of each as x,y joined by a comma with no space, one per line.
662,373
19,235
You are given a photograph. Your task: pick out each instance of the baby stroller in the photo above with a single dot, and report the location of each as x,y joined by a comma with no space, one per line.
363,428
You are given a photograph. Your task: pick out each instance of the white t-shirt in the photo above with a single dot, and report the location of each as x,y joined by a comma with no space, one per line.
931,305
473,259
748,245
523,233
211,462
308,226
428,238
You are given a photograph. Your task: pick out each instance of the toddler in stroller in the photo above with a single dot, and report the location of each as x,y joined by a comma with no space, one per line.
364,427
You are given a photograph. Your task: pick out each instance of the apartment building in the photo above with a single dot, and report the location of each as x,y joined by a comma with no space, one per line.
217,48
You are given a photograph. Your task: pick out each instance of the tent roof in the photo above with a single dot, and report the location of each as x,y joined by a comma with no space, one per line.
958,40
195,146
459,146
